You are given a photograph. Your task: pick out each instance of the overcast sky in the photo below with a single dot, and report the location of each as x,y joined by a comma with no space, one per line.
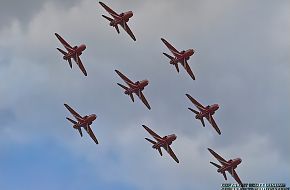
241,62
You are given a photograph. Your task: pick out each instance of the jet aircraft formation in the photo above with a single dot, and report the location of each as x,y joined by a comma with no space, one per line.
179,57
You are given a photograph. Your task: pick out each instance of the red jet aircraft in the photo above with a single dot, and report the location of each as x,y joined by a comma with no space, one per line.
229,166
84,122
120,19
179,57
136,88
206,112
164,142
73,53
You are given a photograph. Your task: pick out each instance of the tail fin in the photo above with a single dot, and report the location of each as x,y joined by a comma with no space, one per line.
74,122
126,88
64,53
196,112
153,142
218,166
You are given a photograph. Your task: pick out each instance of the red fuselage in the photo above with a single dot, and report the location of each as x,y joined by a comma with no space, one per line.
87,120
232,164
166,140
124,17
208,110
185,55
77,50
139,85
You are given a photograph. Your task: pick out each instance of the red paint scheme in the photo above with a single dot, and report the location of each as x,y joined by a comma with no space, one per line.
163,142
134,87
205,112
229,166
82,122
179,57
73,53
119,19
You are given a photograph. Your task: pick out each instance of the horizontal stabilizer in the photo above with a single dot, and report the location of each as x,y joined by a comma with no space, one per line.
61,51
225,176
202,121
117,28
125,87
153,142
80,131
69,62
176,66
216,165
194,111
132,97
108,18
169,56
159,150
74,122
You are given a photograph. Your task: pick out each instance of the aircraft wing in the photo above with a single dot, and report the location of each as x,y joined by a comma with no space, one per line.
80,64
174,51
188,69
128,30
142,97
110,11
235,176
213,123
196,103
91,133
125,79
73,112
154,135
218,157
64,43
171,153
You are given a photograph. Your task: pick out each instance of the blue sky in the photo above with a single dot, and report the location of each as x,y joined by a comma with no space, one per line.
241,63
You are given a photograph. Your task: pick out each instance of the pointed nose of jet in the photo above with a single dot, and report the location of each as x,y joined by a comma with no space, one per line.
216,106
82,47
239,160
191,51
173,137
130,14
93,116
145,82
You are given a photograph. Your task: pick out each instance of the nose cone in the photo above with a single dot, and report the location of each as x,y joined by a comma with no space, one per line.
191,51
239,160
145,82
130,14
83,47
94,116
173,136
216,107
